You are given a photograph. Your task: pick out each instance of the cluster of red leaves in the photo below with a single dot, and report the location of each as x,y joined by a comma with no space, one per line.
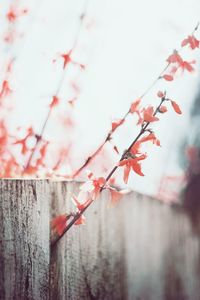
12,16
177,62
192,41
5,90
132,159
89,191
59,223
14,13
23,142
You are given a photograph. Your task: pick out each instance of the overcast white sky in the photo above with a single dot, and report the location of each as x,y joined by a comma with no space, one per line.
124,49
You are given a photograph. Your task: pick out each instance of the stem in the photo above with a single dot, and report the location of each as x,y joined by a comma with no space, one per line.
94,154
110,133
60,83
78,215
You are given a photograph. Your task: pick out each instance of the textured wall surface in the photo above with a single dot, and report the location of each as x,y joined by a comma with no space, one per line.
24,239
139,249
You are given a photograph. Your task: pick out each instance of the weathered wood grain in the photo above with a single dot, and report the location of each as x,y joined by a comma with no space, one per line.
24,239
139,249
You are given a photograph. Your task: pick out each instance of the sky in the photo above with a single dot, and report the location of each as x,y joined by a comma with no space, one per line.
124,46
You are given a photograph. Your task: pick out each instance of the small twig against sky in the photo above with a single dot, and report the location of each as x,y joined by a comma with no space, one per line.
110,133
60,83
144,128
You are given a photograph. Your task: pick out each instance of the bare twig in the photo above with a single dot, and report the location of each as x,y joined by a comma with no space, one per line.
79,214
110,133
60,83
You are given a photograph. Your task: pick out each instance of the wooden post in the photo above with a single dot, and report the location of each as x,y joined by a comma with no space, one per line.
24,239
137,249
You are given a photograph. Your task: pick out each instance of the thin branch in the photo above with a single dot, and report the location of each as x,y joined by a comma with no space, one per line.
79,214
110,133
60,83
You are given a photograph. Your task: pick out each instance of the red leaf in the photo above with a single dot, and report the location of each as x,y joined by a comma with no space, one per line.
174,58
115,195
59,223
80,221
117,123
67,59
136,167
176,107
132,163
5,89
192,41
24,140
187,66
11,16
127,170
163,109
78,203
54,102
168,77
148,115
134,106
160,94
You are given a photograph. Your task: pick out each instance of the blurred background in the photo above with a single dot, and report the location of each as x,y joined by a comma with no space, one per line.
117,49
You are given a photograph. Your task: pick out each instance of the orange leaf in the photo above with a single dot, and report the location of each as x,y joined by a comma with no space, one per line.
117,123
126,173
59,223
115,195
134,106
67,59
136,167
148,115
160,94
176,107
163,109
54,101
168,77
80,221
192,41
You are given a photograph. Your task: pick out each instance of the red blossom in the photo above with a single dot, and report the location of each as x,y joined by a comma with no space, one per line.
43,151
174,58
5,89
23,141
191,41
135,149
176,107
80,221
67,59
13,14
135,106
132,163
93,186
163,109
117,123
168,77
54,102
116,195
59,223
160,94
148,115
80,203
